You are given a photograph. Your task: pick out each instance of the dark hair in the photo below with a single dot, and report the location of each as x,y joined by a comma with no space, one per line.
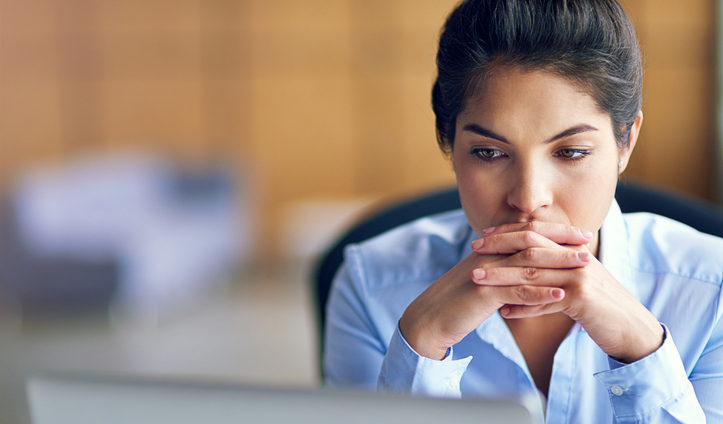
590,42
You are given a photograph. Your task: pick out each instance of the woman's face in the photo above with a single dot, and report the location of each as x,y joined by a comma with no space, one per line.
531,145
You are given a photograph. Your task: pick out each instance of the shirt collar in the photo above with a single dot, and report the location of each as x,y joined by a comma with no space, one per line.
614,252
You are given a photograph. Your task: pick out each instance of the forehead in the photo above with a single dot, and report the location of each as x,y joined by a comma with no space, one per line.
541,93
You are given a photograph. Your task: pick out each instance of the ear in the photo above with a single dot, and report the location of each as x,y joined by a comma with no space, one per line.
624,154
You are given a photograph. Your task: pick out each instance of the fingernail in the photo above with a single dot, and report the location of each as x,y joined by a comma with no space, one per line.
583,256
586,234
488,231
477,244
479,274
505,310
558,293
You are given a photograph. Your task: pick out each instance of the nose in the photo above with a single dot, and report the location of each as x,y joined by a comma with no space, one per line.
529,191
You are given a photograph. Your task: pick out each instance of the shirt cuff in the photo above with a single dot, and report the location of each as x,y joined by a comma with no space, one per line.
405,371
644,386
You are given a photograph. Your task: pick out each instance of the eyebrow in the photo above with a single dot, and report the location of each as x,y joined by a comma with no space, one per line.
577,129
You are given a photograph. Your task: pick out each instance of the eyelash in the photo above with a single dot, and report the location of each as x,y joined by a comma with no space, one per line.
576,154
580,154
478,153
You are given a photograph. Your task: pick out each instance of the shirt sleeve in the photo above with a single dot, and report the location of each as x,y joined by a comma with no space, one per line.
353,350
355,355
655,388
405,371
707,375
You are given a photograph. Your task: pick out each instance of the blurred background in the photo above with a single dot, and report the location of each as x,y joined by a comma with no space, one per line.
171,168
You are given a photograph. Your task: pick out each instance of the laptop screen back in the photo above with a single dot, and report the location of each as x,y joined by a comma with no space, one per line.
77,399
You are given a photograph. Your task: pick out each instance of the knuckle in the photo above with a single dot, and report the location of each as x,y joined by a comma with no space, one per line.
522,293
529,237
529,254
529,273
490,241
581,292
541,295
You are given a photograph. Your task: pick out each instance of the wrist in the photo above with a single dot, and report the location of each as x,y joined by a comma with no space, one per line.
420,342
643,347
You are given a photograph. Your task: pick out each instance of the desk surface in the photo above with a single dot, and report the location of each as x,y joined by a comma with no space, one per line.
240,334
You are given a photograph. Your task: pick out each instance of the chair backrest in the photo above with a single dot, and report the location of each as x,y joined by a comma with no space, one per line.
631,198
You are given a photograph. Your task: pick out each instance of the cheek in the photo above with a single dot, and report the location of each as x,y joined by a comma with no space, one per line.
586,199
480,196
474,186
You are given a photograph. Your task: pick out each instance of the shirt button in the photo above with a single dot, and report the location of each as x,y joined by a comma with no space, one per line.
617,390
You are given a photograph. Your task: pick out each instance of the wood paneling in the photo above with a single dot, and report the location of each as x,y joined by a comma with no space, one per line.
675,149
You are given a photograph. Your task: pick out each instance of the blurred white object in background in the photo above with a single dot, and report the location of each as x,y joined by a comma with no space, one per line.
309,227
173,231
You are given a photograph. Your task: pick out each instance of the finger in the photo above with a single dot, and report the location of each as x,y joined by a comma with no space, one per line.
513,276
531,311
559,233
511,242
540,257
526,295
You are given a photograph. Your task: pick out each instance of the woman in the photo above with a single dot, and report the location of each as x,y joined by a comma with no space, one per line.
540,284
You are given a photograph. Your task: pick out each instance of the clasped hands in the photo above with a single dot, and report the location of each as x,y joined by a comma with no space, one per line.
524,270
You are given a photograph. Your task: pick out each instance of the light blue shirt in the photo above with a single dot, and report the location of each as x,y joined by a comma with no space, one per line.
675,271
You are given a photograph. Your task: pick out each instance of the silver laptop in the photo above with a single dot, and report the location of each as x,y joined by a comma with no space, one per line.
66,398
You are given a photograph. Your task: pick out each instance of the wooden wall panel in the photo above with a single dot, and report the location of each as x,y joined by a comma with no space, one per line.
304,149
675,148
36,18
378,136
29,57
175,17
394,45
148,56
310,15
229,115
30,117
301,142
422,162
164,113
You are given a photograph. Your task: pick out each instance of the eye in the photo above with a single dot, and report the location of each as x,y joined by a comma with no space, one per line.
572,154
487,154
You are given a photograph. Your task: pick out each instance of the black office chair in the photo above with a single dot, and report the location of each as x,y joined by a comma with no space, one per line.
630,196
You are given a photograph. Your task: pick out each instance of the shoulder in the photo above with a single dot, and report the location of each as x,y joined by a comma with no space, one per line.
422,249
662,245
